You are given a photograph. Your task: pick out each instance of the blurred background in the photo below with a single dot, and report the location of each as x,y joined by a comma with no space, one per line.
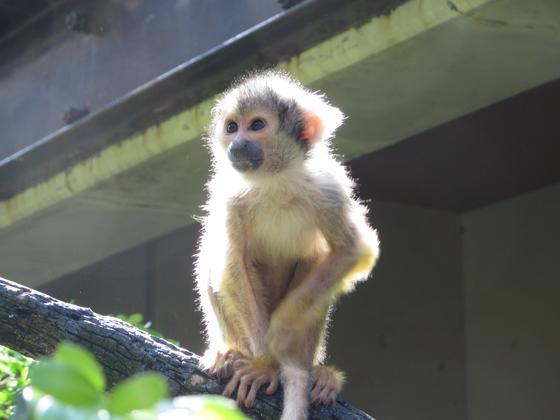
452,135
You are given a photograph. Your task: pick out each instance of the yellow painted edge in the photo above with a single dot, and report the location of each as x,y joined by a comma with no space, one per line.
332,55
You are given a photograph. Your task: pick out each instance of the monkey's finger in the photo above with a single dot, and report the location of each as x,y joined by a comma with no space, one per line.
224,372
314,380
317,375
217,371
332,397
242,371
255,386
229,368
230,388
273,386
315,391
239,363
314,401
246,380
219,364
324,394
232,366
232,384
322,379
232,356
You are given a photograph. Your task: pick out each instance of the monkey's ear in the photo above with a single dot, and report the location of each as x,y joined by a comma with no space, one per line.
321,120
312,128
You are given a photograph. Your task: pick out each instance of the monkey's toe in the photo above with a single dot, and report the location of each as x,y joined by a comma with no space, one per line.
327,383
222,367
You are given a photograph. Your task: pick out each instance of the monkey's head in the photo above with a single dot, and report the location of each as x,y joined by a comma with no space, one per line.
268,123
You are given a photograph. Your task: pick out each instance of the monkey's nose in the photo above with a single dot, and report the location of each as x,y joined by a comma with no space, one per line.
245,155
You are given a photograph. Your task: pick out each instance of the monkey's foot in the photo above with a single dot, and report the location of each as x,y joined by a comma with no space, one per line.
249,376
327,382
222,367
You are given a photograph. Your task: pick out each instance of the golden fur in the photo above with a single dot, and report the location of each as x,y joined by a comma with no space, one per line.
279,243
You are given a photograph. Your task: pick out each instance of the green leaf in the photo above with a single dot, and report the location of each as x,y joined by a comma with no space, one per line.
83,362
135,319
63,382
139,392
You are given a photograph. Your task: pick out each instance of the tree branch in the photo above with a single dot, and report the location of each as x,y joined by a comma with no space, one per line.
34,323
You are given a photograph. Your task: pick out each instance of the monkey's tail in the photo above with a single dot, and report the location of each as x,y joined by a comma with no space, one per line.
295,381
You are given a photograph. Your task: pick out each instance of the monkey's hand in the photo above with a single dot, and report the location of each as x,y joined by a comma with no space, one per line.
250,375
327,382
223,362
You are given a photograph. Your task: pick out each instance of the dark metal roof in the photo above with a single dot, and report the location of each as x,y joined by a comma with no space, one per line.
280,37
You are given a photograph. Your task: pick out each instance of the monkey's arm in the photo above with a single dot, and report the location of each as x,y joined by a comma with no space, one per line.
216,355
234,310
230,293
242,297
352,254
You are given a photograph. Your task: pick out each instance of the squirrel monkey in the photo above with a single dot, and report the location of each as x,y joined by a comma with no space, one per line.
283,237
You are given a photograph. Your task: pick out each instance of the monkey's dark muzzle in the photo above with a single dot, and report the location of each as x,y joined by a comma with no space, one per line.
245,155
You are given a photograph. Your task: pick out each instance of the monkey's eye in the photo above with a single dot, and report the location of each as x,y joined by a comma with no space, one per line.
257,125
231,127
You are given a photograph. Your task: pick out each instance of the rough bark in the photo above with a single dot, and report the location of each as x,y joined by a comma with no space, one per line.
34,323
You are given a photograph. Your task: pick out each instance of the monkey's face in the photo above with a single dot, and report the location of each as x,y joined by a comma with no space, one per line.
255,142
269,124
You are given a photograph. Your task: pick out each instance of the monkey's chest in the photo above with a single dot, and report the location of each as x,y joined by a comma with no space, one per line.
282,231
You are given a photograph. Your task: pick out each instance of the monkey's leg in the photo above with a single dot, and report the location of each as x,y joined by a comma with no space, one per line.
305,306
297,372
296,364
307,347
305,309
326,381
